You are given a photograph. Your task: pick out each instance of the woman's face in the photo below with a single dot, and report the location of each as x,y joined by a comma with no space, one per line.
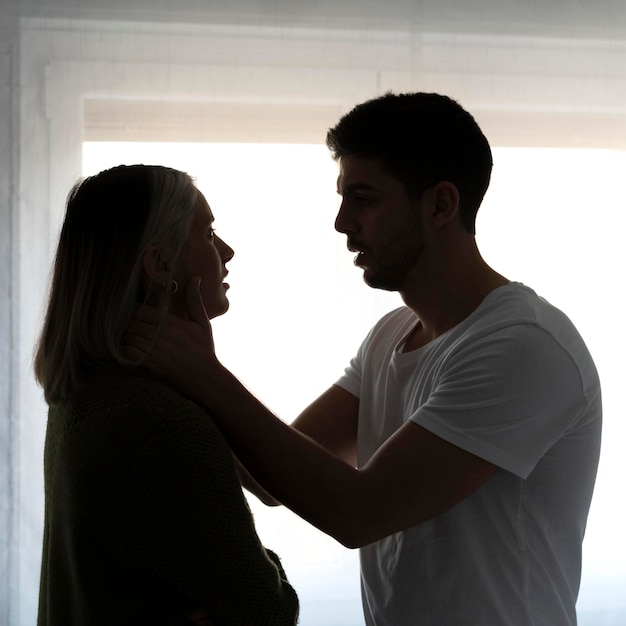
205,255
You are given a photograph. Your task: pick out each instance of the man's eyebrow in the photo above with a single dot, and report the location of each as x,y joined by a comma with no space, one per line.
354,187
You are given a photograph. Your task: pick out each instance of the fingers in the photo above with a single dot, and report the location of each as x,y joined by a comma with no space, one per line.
199,618
167,345
142,329
138,343
141,335
197,312
148,315
132,354
137,346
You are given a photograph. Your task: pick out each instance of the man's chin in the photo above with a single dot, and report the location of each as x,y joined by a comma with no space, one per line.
379,282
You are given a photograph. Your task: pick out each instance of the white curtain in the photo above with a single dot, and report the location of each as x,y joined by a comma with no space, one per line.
549,75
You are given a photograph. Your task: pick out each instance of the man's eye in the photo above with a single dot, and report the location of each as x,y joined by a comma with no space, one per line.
210,233
362,200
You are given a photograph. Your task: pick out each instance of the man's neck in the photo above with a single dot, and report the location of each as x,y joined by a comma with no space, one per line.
444,299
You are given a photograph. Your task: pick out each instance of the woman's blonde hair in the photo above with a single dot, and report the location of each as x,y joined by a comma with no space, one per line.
98,278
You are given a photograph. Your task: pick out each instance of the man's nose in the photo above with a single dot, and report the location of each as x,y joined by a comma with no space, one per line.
344,222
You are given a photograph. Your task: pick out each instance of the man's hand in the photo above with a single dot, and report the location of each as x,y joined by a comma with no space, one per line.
175,349
200,617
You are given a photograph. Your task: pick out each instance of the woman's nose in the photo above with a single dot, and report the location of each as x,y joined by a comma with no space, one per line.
226,252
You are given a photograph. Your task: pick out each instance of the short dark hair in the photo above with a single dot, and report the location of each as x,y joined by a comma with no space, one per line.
421,139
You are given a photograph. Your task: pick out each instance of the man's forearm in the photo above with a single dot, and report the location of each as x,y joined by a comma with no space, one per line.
292,467
251,485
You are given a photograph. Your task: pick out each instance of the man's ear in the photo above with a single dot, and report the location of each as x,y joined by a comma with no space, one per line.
155,265
446,203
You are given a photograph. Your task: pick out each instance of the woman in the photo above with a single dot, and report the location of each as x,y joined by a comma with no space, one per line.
145,520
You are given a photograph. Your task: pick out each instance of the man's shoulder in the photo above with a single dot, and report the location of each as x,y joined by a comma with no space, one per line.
391,327
515,320
396,318
516,305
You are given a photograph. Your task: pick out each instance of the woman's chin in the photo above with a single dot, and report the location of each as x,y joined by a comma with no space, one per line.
217,309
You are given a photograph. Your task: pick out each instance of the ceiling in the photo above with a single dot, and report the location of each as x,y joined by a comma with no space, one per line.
594,19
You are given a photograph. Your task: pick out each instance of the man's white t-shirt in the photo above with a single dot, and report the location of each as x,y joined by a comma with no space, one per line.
515,385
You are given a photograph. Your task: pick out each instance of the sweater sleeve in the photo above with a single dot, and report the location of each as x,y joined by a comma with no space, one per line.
190,525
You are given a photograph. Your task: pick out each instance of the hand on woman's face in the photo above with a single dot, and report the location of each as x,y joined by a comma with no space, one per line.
205,256
199,617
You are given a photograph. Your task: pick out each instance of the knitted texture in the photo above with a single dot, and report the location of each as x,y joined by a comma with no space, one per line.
145,518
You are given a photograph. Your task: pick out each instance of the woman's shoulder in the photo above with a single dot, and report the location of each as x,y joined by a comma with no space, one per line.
123,393
119,411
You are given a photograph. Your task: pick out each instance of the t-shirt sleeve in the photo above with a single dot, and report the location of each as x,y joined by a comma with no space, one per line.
351,378
398,322
190,525
506,397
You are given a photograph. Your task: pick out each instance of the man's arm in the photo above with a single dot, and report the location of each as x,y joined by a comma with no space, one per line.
251,485
414,476
332,421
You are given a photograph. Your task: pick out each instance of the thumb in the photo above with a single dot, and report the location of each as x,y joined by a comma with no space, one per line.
195,306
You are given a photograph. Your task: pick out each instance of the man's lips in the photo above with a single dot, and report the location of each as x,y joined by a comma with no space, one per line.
359,259
352,247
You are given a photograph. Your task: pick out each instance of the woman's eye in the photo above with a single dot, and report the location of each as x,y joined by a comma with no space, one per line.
211,233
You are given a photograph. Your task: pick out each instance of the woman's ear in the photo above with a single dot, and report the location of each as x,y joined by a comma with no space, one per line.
446,203
155,265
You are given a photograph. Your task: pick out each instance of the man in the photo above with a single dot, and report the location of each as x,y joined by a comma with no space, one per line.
459,450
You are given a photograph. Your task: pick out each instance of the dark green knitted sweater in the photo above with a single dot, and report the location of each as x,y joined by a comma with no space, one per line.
145,518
